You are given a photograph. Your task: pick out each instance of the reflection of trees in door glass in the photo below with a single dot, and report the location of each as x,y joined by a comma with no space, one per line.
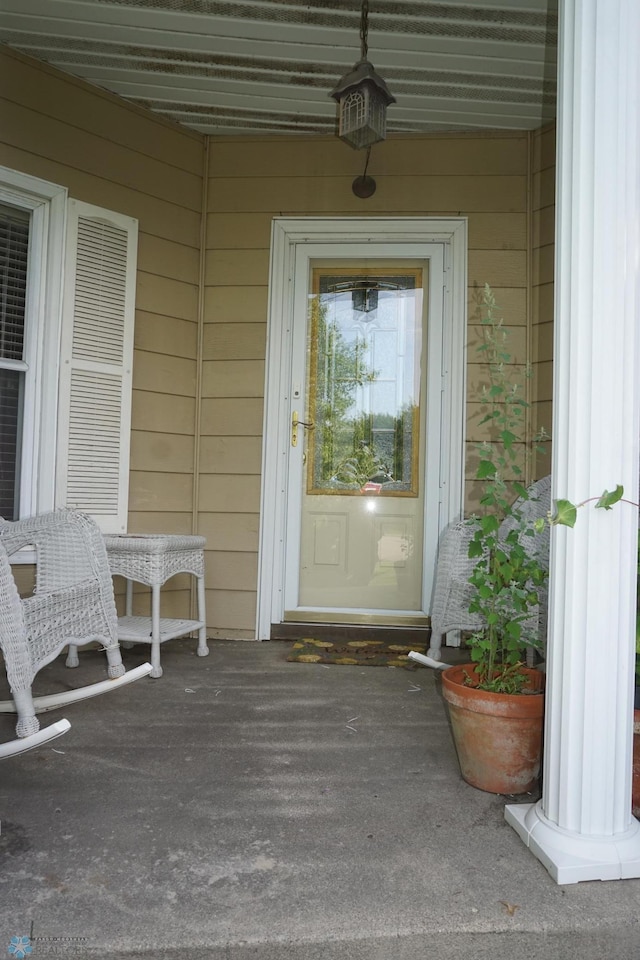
363,385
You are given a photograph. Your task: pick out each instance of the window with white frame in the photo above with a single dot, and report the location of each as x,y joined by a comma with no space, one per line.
67,289
14,248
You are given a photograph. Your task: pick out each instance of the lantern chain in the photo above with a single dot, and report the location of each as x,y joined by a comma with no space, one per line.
364,29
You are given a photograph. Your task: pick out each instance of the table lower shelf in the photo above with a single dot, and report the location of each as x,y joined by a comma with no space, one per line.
138,629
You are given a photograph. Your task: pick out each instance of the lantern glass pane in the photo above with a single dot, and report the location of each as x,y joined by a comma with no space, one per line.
363,117
354,113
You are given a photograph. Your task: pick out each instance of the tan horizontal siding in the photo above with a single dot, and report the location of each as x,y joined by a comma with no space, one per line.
226,268
161,452
231,455
408,196
544,148
162,412
161,257
231,570
233,611
252,231
505,268
147,521
543,342
164,295
543,378
543,188
241,304
542,281
543,227
511,305
158,491
230,531
233,378
544,413
235,305
498,231
30,83
232,493
235,417
543,302
235,341
158,372
73,147
543,265
239,231
159,333
320,157
164,218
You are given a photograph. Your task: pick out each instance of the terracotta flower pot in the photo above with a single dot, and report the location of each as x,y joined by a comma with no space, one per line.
498,736
635,796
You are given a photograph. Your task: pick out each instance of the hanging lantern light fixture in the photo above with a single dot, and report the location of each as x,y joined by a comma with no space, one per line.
363,97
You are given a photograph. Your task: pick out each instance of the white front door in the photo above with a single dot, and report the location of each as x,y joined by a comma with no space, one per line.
359,374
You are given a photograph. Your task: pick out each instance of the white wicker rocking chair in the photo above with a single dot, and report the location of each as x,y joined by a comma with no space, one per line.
73,603
453,592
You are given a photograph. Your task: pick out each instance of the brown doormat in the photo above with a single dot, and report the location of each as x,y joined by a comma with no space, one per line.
363,653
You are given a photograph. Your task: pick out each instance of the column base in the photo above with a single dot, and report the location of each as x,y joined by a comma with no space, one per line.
571,857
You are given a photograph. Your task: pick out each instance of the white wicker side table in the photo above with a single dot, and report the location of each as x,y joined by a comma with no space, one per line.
152,559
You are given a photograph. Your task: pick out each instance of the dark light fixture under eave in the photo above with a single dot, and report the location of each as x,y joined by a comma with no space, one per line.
363,98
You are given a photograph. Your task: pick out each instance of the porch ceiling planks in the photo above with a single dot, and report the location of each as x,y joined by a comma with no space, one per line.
267,66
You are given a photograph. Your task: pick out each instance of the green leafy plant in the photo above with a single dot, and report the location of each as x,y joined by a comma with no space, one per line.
507,576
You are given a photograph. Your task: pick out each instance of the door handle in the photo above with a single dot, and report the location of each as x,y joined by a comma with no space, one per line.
295,423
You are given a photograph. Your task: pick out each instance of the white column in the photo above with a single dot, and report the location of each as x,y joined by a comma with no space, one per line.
582,829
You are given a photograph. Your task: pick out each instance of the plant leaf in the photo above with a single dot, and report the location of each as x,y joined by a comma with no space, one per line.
489,523
565,513
486,469
475,549
607,499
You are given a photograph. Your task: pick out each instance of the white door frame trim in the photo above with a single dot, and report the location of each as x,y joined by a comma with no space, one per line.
286,234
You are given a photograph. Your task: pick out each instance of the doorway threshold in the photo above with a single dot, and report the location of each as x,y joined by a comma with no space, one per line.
349,631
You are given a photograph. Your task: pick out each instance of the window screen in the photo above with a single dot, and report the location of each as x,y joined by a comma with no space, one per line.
14,244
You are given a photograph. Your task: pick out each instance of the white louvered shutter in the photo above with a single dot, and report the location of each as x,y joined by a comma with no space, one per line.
94,414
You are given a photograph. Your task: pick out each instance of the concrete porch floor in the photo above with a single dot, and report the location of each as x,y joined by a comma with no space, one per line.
246,808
